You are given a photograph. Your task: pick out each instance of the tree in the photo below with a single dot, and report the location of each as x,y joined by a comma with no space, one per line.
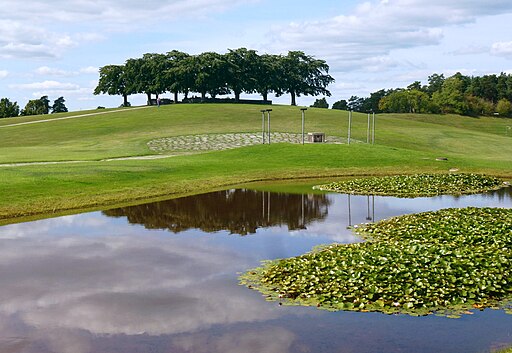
435,83
34,107
113,81
242,71
478,106
355,103
210,73
59,106
302,74
267,73
450,98
504,108
8,109
321,103
341,105
46,104
177,75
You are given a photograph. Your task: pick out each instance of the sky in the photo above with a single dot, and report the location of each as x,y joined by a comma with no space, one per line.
56,47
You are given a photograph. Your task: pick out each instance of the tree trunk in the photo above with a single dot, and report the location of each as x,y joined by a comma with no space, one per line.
237,96
125,100
293,98
149,98
203,96
265,96
176,97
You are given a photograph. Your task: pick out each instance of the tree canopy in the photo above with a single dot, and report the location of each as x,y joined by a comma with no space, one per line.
237,71
8,109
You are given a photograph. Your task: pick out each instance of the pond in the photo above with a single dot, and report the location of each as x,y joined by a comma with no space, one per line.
163,277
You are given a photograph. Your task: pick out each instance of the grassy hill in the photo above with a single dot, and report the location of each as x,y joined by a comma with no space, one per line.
404,144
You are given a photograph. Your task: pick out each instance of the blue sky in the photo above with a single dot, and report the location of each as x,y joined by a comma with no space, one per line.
55,47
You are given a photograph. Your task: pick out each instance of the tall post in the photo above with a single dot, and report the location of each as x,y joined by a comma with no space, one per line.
368,130
263,125
268,117
349,125
303,110
373,130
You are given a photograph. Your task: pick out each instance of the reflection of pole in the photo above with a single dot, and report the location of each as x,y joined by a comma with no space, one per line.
368,218
263,210
349,125
268,208
263,126
373,208
349,215
373,130
302,225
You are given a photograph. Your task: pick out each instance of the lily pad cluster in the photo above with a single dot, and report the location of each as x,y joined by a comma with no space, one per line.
445,262
417,185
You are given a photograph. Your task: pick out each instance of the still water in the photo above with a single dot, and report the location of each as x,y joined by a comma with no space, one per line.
162,277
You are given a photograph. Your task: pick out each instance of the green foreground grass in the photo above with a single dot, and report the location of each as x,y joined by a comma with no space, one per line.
405,144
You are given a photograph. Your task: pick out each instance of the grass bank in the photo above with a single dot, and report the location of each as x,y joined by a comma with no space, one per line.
405,144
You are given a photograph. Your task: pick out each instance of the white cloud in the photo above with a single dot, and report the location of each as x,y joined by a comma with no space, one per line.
3,73
502,49
48,71
46,85
89,70
366,37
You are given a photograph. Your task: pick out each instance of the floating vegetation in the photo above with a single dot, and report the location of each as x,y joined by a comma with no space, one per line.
419,185
445,262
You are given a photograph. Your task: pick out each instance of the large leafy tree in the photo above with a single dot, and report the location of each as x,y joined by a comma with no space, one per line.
242,71
113,81
34,107
210,74
179,75
267,73
450,98
59,106
8,109
405,101
340,105
142,75
302,74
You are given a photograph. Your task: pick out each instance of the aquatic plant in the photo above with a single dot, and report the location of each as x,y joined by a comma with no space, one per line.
445,262
416,185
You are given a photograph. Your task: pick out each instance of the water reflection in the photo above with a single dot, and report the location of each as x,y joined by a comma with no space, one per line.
239,211
92,283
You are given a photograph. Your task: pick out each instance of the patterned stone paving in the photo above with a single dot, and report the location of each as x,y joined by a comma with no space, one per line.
216,142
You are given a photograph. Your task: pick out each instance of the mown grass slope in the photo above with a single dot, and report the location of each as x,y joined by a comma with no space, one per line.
404,144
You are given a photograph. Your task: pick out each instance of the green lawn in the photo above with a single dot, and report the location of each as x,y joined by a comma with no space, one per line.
404,144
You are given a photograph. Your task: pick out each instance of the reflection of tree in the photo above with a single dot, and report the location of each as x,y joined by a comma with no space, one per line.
239,211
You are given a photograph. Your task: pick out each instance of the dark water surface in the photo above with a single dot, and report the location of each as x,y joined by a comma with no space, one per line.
162,277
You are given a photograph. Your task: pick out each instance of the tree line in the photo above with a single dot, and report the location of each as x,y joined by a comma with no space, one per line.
39,106
237,71
457,94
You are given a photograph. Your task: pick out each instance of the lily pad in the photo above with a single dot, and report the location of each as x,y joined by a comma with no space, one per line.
445,262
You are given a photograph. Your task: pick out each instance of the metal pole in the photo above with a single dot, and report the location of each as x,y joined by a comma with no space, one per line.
303,110
368,130
349,125
373,131
263,126
268,117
